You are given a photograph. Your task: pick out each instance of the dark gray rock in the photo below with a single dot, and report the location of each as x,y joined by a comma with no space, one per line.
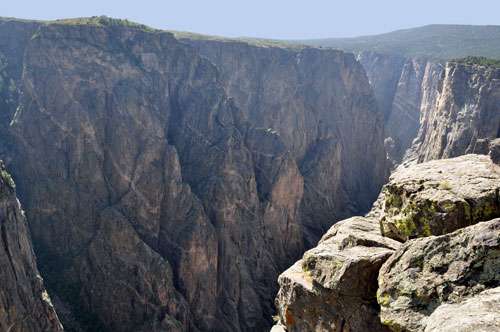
319,102
405,88
25,305
164,207
494,150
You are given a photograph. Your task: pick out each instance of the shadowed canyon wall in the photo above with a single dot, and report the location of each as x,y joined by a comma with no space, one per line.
163,203
25,304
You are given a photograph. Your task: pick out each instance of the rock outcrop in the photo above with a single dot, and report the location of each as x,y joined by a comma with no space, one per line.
404,88
466,109
429,272
440,196
419,283
307,96
333,286
161,203
25,305
478,314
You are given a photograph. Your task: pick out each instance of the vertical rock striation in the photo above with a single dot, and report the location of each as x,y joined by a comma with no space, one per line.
465,110
319,102
25,305
14,36
405,88
163,204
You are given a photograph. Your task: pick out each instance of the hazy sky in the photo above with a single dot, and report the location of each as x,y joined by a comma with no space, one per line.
290,19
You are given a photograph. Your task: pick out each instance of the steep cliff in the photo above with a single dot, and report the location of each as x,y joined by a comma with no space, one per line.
465,110
164,206
14,36
319,102
405,88
24,303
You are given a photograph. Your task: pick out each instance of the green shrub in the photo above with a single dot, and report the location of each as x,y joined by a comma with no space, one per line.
7,178
478,60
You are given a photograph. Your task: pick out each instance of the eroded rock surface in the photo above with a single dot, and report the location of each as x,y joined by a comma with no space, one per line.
466,109
404,88
162,205
332,287
426,273
25,305
477,314
307,95
440,196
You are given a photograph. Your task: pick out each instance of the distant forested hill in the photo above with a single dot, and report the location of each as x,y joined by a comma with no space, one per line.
432,41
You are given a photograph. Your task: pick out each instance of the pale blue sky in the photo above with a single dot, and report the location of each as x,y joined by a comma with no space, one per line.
290,19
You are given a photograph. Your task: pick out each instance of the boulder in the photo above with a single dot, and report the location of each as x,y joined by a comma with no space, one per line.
426,273
332,288
439,197
479,314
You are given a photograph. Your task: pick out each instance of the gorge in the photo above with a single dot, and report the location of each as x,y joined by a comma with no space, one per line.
168,179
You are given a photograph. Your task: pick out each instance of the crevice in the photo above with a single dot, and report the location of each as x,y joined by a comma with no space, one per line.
471,208
6,248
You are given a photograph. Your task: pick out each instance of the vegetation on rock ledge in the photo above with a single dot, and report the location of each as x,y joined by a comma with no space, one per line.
478,60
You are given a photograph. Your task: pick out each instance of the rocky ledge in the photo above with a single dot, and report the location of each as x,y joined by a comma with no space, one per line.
361,277
440,196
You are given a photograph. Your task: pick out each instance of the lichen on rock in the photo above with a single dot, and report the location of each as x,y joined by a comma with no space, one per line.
439,197
428,272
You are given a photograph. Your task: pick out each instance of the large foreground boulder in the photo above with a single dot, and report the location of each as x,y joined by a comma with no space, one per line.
429,272
440,196
333,287
479,314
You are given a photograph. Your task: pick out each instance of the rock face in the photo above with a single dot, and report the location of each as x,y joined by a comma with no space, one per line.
25,304
419,285
307,95
333,286
494,150
440,196
14,35
163,205
432,111
404,88
466,109
479,313
426,273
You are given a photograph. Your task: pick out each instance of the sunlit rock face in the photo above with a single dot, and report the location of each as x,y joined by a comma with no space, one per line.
466,110
405,89
428,250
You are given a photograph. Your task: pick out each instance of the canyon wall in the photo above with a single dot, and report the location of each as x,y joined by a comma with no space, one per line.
466,110
24,303
405,89
317,101
432,111
163,203
14,35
